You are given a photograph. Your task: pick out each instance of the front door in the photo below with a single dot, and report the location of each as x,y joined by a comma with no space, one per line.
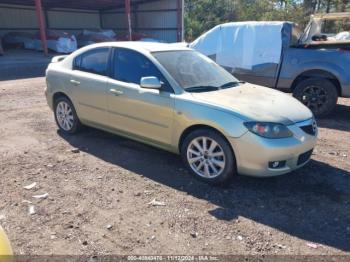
147,113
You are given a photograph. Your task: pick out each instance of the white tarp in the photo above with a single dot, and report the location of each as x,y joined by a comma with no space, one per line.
343,36
62,45
242,44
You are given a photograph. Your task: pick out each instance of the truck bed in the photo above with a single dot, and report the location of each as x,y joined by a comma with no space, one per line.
327,44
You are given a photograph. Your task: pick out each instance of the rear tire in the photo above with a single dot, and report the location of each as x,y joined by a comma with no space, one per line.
209,157
65,115
318,94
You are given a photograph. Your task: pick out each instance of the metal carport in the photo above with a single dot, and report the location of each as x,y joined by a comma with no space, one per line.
106,10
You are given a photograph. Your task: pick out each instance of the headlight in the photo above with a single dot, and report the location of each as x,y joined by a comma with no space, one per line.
268,130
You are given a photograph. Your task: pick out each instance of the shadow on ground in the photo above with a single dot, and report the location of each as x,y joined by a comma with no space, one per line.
339,119
312,204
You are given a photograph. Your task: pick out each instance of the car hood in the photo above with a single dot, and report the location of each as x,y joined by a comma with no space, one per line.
258,103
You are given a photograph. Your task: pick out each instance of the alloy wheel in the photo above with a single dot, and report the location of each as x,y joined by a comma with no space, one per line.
314,97
64,116
206,157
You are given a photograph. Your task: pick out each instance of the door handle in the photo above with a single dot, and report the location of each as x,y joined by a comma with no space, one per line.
75,82
116,92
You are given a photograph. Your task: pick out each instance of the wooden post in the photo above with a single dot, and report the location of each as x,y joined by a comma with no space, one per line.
41,21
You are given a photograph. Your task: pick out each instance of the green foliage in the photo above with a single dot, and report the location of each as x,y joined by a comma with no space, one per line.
202,15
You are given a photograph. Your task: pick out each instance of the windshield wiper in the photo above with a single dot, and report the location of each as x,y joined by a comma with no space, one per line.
231,84
201,88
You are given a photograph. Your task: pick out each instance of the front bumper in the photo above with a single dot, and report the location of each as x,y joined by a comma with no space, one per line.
253,153
48,96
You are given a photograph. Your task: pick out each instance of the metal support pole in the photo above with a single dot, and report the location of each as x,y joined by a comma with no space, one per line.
180,8
183,21
41,21
128,16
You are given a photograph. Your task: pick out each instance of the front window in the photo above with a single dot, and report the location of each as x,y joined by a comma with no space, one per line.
131,66
194,72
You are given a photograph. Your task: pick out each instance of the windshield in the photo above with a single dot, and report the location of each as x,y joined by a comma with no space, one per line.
195,72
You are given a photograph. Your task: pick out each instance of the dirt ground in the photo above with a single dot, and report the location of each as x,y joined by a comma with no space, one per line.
98,197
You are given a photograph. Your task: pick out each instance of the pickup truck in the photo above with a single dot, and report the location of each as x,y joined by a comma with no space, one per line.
314,65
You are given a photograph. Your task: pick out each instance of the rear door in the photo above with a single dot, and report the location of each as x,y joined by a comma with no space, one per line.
89,85
146,113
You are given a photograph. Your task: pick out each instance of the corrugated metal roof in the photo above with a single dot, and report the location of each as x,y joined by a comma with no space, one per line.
77,4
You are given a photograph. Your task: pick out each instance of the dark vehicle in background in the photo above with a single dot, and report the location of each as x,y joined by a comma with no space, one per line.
314,64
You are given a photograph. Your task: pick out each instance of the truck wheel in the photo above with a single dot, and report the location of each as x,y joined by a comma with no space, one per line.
318,94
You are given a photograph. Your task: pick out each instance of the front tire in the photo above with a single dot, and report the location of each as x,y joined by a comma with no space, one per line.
208,156
318,94
65,115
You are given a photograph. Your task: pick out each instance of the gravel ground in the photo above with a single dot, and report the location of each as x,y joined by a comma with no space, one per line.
99,193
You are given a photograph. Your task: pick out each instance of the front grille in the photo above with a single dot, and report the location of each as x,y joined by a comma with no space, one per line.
309,130
304,157
308,126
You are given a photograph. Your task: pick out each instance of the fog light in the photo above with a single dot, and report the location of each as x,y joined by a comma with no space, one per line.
277,164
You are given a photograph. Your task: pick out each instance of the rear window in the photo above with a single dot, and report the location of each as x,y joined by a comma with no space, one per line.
296,34
333,27
93,61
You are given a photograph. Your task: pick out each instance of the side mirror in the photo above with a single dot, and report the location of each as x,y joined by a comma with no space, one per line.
150,82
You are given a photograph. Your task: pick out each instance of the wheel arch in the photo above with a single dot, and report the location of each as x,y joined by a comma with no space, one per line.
58,95
317,73
195,127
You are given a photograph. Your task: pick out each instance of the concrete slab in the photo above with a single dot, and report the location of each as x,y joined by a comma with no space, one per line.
20,63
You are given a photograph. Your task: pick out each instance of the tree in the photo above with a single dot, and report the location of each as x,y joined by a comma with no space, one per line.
202,15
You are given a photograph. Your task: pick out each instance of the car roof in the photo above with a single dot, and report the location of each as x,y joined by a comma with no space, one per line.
145,46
